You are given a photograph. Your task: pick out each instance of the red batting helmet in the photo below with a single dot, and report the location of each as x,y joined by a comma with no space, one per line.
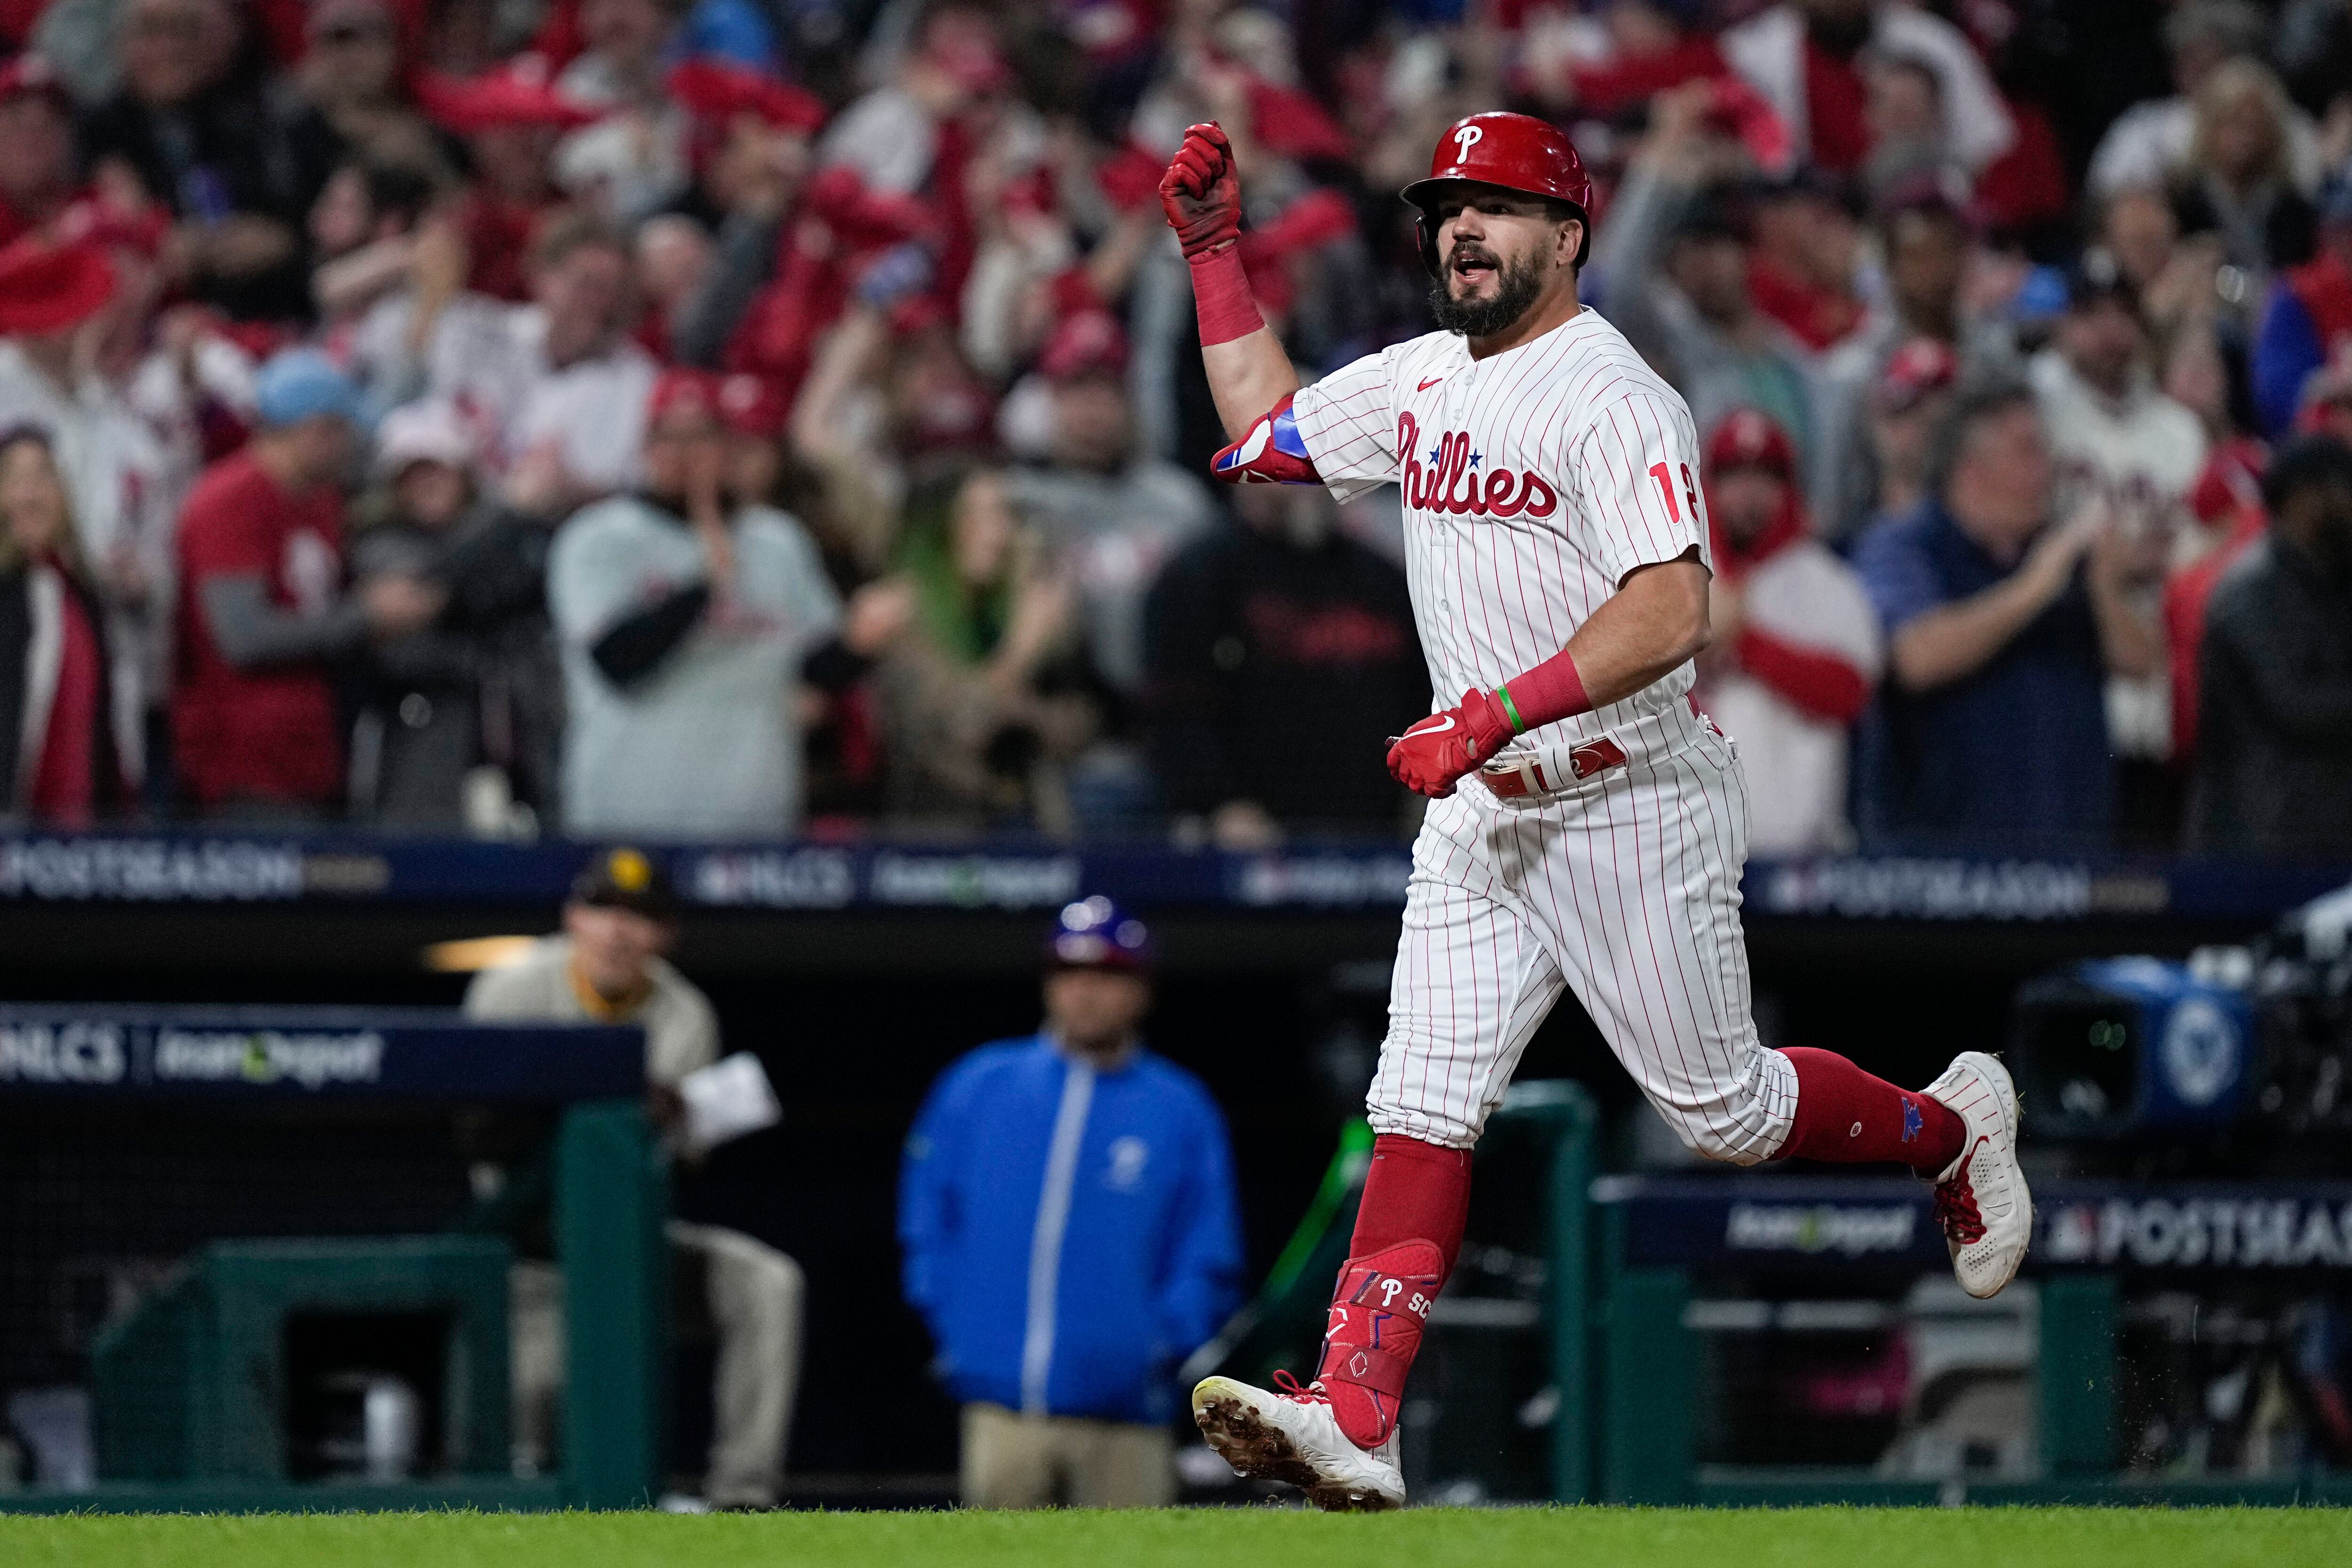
1516,151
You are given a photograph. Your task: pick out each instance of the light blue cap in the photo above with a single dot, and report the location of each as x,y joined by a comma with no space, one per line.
296,384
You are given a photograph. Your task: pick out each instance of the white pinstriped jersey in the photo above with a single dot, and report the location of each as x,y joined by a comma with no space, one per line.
1534,481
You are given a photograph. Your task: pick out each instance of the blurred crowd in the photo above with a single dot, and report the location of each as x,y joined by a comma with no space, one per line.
740,418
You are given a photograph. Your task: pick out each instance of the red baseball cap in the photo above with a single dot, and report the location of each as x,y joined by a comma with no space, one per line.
713,90
48,287
1089,342
1291,122
1750,438
519,92
1919,367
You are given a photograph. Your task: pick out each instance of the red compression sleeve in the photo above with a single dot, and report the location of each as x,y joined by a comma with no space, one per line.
1822,684
1221,293
1846,1115
1414,1192
1550,691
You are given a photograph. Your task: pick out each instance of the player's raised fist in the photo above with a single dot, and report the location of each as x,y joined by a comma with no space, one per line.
1201,193
1431,756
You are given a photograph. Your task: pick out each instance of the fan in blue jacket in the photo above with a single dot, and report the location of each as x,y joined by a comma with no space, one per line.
1066,1206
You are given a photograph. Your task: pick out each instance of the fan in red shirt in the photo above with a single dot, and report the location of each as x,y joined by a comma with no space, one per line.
262,614
71,767
1797,650
2227,502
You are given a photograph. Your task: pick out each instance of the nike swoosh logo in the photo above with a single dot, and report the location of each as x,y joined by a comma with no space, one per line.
1429,383
1437,725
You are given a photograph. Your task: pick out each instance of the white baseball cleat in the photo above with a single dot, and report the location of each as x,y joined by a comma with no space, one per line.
1290,1435
1980,1199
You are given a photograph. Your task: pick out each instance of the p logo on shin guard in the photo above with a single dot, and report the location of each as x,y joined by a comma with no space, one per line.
1378,1315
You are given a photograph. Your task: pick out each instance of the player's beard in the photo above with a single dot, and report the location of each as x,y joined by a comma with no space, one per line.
1515,288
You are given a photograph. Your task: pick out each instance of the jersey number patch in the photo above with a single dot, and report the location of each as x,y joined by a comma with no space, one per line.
1666,488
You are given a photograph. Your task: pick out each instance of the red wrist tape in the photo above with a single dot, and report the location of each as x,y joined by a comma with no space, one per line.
1548,692
1221,293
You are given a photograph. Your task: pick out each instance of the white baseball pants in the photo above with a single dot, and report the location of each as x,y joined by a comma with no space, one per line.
1624,888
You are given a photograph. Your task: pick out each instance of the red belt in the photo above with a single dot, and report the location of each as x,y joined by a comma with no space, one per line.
1511,781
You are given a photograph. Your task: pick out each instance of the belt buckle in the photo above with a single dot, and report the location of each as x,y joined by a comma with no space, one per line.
1513,777
1596,756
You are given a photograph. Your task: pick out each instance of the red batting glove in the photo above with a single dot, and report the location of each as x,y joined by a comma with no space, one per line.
1431,756
1201,193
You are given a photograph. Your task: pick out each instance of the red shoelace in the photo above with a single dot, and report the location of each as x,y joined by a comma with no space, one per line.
1289,1387
1956,1209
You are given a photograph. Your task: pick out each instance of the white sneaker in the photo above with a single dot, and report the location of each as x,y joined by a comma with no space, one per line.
1286,1435
1980,1199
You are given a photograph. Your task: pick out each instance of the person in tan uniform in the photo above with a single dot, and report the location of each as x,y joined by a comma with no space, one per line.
608,966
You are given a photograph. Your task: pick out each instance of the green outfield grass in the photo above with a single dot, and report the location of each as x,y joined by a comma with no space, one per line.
1275,1538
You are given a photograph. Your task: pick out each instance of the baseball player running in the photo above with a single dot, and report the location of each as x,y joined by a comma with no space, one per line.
1586,828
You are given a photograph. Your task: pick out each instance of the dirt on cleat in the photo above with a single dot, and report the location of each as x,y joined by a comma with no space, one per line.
1260,1452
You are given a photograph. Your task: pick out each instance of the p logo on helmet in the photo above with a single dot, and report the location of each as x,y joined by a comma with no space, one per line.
1515,152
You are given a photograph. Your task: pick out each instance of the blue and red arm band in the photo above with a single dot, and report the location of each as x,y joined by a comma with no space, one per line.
1269,453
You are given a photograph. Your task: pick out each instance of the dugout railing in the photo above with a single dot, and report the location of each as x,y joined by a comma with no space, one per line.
1535,1167
292,1139
259,1172
1638,1304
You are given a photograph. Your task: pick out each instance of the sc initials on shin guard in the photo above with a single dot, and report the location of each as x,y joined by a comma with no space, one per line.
1378,1315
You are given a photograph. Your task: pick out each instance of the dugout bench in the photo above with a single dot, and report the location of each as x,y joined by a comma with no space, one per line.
192,1386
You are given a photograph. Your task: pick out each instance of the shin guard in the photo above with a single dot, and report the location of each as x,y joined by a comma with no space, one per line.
1377,1317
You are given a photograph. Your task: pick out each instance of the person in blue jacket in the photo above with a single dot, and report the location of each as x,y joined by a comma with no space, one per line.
1067,1216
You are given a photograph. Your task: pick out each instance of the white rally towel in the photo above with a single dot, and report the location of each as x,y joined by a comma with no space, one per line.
726,1100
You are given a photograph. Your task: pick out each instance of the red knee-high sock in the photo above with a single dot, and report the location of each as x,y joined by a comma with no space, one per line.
1414,1192
1846,1115
1408,1233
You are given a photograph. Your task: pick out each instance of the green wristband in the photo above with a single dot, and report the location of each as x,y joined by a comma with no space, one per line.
1511,710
